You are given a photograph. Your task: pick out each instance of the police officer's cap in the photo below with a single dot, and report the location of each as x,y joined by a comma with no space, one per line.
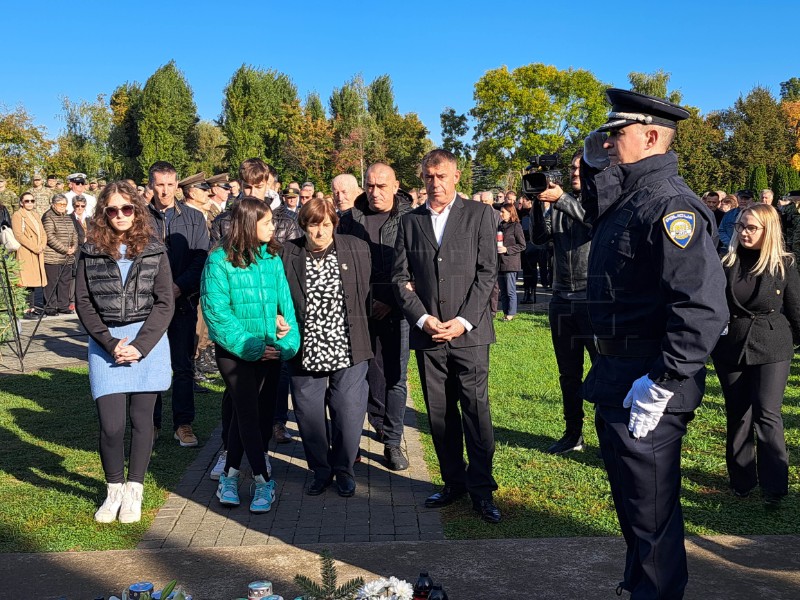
290,193
220,180
198,180
629,107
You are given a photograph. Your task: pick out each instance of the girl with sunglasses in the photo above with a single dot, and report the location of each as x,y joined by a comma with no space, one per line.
29,231
753,356
125,302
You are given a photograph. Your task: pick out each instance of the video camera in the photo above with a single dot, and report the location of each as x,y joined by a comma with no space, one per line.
539,174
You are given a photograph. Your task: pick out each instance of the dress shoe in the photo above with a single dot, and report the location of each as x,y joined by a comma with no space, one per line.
487,509
569,442
395,459
280,435
446,497
771,501
345,485
318,486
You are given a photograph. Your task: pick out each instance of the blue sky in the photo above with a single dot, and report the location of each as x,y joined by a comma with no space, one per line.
434,52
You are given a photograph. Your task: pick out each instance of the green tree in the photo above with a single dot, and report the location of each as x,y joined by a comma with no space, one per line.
757,134
24,147
254,115
167,128
348,104
654,84
314,107
790,90
531,110
308,147
794,179
406,143
124,143
696,144
780,181
84,144
209,156
454,128
380,99
757,180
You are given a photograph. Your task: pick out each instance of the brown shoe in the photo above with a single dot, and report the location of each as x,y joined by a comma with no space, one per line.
186,436
280,434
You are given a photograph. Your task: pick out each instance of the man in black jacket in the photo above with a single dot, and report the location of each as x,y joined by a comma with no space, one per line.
185,233
375,217
568,311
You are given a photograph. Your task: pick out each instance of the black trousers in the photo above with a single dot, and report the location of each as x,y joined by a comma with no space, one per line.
645,478
181,348
454,378
387,376
56,292
753,400
330,448
251,387
112,412
572,334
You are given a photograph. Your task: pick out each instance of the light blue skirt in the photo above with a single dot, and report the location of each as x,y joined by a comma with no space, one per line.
151,374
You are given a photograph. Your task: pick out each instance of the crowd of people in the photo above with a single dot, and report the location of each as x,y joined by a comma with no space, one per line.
285,290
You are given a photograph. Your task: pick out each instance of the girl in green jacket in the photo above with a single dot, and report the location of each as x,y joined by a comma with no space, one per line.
249,312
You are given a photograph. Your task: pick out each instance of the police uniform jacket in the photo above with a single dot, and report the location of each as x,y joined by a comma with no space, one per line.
656,288
766,327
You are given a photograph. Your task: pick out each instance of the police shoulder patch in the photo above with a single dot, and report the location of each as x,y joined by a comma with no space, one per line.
680,226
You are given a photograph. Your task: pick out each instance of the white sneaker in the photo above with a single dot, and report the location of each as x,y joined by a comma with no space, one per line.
219,468
107,513
131,509
269,466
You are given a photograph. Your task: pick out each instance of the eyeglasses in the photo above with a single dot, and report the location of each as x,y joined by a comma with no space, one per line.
79,205
60,204
29,201
751,229
113,211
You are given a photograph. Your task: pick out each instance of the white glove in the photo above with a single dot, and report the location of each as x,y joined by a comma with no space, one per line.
594,154
647,402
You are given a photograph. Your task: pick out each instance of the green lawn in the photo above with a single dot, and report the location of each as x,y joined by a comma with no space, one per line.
542,495
51,480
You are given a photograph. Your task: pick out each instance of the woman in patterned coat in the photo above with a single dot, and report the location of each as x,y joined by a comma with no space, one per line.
328,277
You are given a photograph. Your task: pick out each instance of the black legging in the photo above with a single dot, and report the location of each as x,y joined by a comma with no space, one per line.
252,388
112,412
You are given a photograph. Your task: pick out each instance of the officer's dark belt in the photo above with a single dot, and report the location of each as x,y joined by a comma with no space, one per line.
629,347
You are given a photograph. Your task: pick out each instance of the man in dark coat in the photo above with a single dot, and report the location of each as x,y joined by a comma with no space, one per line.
656,295
375,218
444,271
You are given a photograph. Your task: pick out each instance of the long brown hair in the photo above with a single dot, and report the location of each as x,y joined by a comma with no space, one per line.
241,244
512,211
105,238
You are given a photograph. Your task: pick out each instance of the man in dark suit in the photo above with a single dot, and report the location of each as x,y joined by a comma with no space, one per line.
444,271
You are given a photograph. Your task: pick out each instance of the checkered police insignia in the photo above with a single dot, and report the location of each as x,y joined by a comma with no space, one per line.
680,227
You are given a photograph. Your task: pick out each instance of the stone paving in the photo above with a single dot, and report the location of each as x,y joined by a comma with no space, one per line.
387,505
59,341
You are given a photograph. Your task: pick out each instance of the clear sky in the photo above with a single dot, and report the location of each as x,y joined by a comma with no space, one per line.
434,52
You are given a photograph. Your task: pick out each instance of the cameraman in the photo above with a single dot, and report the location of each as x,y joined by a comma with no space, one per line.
568,311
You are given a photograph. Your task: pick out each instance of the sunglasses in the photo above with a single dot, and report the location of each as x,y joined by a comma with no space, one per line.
79,205
78,182
112,211
29,201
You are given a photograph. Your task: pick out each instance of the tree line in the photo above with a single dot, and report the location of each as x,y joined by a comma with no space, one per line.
519,113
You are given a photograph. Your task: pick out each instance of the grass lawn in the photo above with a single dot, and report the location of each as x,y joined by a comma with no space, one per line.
542,495
51,480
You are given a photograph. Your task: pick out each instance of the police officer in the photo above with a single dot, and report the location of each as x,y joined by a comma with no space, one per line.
656,293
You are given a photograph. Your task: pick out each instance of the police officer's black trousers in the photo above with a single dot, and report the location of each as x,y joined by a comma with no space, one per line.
645,478
753,399
571,332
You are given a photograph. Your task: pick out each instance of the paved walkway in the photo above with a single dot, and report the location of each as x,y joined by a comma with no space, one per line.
58,342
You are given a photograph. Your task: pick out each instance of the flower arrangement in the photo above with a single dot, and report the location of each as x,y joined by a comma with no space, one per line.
386,589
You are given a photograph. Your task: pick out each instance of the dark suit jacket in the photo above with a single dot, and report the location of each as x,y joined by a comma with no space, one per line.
454,280
767,328
354,268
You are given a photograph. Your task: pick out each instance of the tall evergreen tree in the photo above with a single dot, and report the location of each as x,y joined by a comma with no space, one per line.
124,143
780,181
380,99
314,107
758,179
167,129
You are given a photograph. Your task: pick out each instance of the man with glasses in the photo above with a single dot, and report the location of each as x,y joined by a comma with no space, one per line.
306,193
41,195
77,187
564,226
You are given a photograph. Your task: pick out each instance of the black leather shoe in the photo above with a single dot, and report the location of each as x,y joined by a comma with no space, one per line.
345,485
318,486
569,442
487,509
446,497
395,459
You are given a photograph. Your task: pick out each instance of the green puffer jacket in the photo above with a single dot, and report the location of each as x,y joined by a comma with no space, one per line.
240,305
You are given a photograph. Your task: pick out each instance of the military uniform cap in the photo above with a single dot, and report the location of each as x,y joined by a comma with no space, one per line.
198,180
290,193
745,194
629,107
36,176
220,180
49,177
93,180
77,176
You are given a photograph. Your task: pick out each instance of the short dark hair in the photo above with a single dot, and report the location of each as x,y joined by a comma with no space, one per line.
163,167
436,157
254,171
314,212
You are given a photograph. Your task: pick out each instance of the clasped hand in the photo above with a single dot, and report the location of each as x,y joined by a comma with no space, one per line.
123,353
443,332
647,402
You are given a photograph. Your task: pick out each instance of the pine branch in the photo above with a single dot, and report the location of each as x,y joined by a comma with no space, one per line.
348,590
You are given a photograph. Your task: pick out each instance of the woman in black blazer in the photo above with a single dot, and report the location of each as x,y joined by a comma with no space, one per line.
328,278
509,259
753,355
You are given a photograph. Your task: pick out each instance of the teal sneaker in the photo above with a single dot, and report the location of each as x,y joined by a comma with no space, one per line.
263,496
228,488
